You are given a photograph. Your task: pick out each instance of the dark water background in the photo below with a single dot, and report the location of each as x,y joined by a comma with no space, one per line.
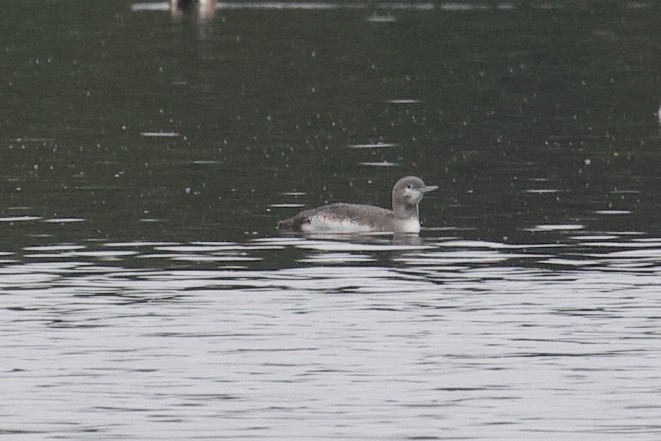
146,157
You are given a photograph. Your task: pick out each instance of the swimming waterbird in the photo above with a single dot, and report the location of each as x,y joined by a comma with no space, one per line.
355,218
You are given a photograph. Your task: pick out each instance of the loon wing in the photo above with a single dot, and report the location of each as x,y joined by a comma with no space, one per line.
340,217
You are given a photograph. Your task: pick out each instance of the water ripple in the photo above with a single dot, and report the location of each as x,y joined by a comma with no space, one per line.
525,336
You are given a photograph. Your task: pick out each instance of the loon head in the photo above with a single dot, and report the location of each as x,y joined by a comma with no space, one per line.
408,192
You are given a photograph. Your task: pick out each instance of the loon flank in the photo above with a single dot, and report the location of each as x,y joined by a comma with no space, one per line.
354,218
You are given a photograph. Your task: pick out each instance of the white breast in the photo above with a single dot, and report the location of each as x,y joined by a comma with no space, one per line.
408,226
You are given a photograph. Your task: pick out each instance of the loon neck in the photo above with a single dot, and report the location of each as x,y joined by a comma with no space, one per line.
405,211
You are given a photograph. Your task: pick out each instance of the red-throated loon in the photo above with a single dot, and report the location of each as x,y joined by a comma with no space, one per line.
353,218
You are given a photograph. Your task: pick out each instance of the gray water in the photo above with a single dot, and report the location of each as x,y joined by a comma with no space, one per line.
146,157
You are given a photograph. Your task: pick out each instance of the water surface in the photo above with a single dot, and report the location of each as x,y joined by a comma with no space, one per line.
146,158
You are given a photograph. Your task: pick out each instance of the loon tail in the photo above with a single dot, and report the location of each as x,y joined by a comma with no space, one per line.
293,223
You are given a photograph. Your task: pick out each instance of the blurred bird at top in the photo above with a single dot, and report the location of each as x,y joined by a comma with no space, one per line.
203,9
